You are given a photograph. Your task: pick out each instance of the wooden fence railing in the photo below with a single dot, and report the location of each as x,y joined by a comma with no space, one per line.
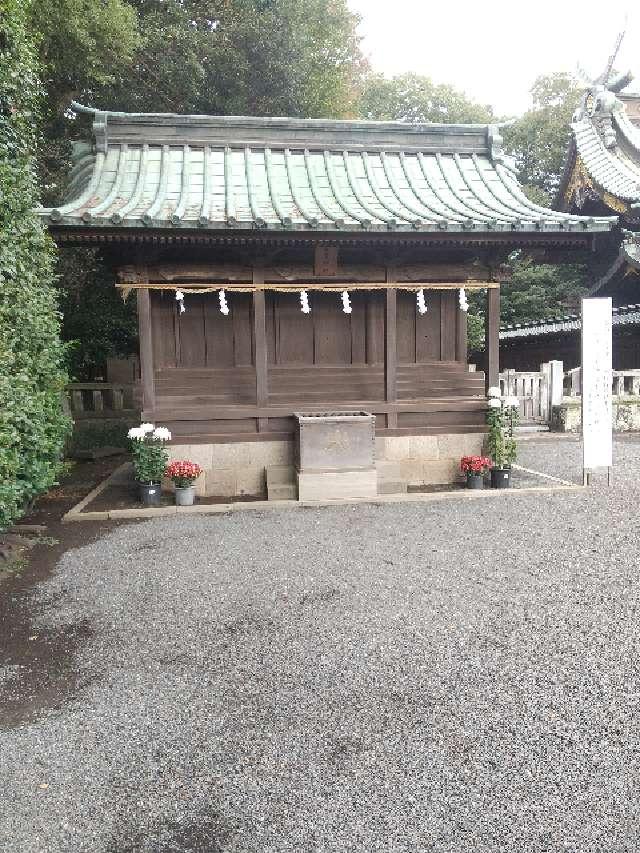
537,391
97,400
624,383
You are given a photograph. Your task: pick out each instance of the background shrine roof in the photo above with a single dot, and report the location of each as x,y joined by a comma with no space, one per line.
625,315
217,173
604,152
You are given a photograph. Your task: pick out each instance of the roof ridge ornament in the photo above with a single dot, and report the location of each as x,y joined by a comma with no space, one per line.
495,140
100,118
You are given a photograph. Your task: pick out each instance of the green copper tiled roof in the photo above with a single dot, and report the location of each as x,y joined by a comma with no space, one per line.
216,173
614,168
603,160
626,315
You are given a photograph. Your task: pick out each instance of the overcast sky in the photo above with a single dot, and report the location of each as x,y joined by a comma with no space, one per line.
494,50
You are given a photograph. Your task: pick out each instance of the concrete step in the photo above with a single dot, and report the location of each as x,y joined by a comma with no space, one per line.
281,483
282,492
391,487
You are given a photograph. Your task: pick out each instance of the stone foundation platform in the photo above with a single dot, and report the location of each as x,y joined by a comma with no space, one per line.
240,469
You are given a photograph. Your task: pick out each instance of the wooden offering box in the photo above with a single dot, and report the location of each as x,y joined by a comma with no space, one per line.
335,455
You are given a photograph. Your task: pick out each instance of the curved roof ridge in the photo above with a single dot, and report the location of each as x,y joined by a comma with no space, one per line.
224,172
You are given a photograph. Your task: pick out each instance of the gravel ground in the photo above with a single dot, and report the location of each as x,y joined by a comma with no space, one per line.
451,676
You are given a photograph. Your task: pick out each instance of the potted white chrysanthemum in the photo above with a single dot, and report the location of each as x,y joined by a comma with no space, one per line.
150,459
502,417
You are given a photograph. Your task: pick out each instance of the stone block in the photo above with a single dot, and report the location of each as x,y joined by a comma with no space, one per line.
250,481
232,455
220,483
262,454
456,445
424,447
397,447
436,472
201,454
395,469
337,485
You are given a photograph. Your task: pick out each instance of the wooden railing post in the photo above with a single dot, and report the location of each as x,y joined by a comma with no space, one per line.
260,346
492,337
391,349
146,353
461,336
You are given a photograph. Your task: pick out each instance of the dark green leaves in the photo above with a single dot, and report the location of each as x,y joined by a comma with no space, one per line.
33,426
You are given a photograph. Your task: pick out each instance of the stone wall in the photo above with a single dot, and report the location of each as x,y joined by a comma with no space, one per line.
567,417
239,469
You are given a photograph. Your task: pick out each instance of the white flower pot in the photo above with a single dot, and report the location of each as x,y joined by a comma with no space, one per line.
185,496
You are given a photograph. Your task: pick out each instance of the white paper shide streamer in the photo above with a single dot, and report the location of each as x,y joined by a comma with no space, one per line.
346,302
180,301
464,305
224,308
304,302
421,303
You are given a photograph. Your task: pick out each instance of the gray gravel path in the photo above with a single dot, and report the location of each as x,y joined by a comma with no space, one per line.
451,676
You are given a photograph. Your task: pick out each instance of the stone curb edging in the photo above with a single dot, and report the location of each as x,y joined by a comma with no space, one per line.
76,514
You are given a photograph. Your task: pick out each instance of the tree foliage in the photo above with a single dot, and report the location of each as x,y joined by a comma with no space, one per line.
98,324
538,291
253,57
33,426
414,98
84,45
539,140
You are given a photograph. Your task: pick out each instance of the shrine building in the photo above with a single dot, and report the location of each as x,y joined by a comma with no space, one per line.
287,266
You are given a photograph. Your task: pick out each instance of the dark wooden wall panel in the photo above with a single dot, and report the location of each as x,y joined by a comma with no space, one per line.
163,309
220,349
294,335
359,328
448,311
270,308
428,331
406,319
332,330
191,331
374,318
242,320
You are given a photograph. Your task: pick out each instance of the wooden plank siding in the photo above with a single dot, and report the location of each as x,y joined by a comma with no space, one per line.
206,383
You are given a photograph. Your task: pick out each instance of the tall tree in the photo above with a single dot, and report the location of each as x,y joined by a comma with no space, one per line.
84,45
256,57
413,98
539,139
33,426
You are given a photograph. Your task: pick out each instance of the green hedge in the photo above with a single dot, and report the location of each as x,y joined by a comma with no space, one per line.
33,426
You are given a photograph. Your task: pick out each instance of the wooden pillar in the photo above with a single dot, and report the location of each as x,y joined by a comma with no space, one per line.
391,350
146,354
260,347
461,337
370,321
492,338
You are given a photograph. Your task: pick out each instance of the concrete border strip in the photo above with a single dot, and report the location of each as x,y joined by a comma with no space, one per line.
93,494
143,513
544,476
